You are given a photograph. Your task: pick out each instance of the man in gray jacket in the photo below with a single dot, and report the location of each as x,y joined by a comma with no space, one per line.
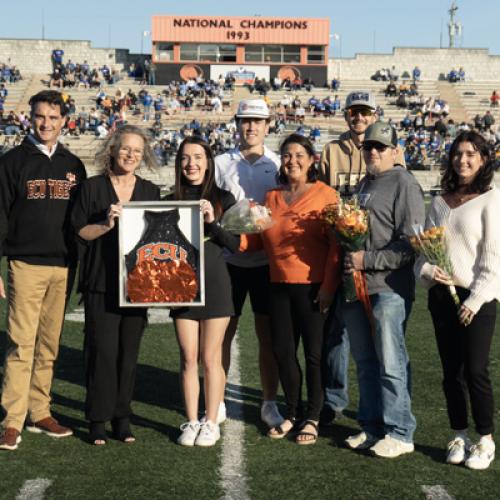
342,166
395,203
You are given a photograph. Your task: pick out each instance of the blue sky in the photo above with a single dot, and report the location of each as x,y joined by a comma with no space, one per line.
364,26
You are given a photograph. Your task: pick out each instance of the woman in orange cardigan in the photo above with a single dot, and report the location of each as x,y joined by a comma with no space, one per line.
304,262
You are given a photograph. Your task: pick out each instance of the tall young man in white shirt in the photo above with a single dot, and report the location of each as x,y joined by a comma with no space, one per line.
249,171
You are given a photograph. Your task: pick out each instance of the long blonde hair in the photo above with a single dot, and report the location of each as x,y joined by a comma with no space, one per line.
105,156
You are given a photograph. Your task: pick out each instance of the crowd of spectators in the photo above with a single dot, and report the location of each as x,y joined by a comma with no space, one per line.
427,141
425,131
456,76
392,75
262,86
78,75
9,73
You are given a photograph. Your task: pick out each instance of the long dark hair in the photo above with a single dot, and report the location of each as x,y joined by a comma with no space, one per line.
312,173
481,183
209,190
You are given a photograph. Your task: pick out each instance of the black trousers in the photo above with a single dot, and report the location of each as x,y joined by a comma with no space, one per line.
464,353
295,315
111,349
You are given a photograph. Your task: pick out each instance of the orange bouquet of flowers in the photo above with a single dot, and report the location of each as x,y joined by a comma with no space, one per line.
431,243
350,224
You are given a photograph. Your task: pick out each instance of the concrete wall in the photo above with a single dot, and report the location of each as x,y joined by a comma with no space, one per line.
477,63
33,56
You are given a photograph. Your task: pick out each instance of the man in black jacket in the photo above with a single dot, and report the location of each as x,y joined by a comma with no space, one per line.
37,180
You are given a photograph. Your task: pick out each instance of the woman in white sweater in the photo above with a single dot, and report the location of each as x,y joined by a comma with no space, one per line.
468,209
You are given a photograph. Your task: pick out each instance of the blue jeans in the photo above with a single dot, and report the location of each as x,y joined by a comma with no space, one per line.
336,359
383,365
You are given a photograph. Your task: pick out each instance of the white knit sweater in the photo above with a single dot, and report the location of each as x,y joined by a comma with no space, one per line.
473,240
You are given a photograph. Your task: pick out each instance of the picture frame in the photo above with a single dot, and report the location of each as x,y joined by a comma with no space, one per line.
131,227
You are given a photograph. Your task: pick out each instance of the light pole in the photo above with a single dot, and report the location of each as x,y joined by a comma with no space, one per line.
336,37
144,34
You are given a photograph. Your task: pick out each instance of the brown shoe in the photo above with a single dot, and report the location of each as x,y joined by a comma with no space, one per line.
9,439
51,427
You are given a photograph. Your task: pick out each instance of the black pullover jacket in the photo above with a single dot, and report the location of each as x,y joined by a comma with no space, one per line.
35,202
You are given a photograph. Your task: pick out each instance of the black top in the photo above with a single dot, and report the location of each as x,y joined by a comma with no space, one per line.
99,257
36,193
213,230
218,299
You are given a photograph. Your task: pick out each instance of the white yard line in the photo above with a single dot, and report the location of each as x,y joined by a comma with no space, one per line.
436,492
33,489
232,468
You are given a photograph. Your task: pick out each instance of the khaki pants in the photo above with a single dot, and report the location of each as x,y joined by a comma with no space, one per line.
36,297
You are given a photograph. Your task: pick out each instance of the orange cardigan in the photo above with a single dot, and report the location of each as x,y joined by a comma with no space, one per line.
299,246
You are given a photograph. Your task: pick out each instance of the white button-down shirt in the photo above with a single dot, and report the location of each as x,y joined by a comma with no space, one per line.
244,179
247,180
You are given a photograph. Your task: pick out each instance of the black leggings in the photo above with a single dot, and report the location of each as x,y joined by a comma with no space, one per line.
464,353
111,348
294,314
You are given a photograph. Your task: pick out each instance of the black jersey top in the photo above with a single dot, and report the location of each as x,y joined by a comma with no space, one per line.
99,257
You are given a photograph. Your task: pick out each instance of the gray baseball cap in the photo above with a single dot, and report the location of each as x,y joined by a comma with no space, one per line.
361,98
383,133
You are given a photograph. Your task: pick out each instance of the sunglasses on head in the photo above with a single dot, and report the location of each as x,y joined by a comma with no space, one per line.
361,111
368,146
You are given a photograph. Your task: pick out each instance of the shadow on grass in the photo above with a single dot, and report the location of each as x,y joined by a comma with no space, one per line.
435,454
158,387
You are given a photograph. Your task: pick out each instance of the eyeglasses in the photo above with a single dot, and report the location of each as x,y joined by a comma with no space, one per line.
129,151
352,112
368,146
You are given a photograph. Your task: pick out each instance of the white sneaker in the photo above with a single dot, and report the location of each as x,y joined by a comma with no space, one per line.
390,447
361,441
481,455
190,431
221,414
209,434
457,450
270,414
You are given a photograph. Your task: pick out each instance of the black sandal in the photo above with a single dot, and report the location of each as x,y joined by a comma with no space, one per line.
121,430
278,432
302,432
97,433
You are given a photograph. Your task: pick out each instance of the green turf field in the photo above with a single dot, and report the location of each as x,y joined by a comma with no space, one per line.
155,467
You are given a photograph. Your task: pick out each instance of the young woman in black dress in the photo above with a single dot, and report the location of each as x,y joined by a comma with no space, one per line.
200,330
112,334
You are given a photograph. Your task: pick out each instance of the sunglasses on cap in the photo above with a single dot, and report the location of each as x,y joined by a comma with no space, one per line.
368,146
352,112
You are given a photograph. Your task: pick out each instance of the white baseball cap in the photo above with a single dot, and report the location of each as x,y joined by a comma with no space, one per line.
253,108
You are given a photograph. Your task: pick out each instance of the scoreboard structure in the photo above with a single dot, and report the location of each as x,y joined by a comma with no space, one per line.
186,47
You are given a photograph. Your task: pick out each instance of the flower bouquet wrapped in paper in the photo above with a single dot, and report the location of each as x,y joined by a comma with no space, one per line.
431,243
247,217
350,224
